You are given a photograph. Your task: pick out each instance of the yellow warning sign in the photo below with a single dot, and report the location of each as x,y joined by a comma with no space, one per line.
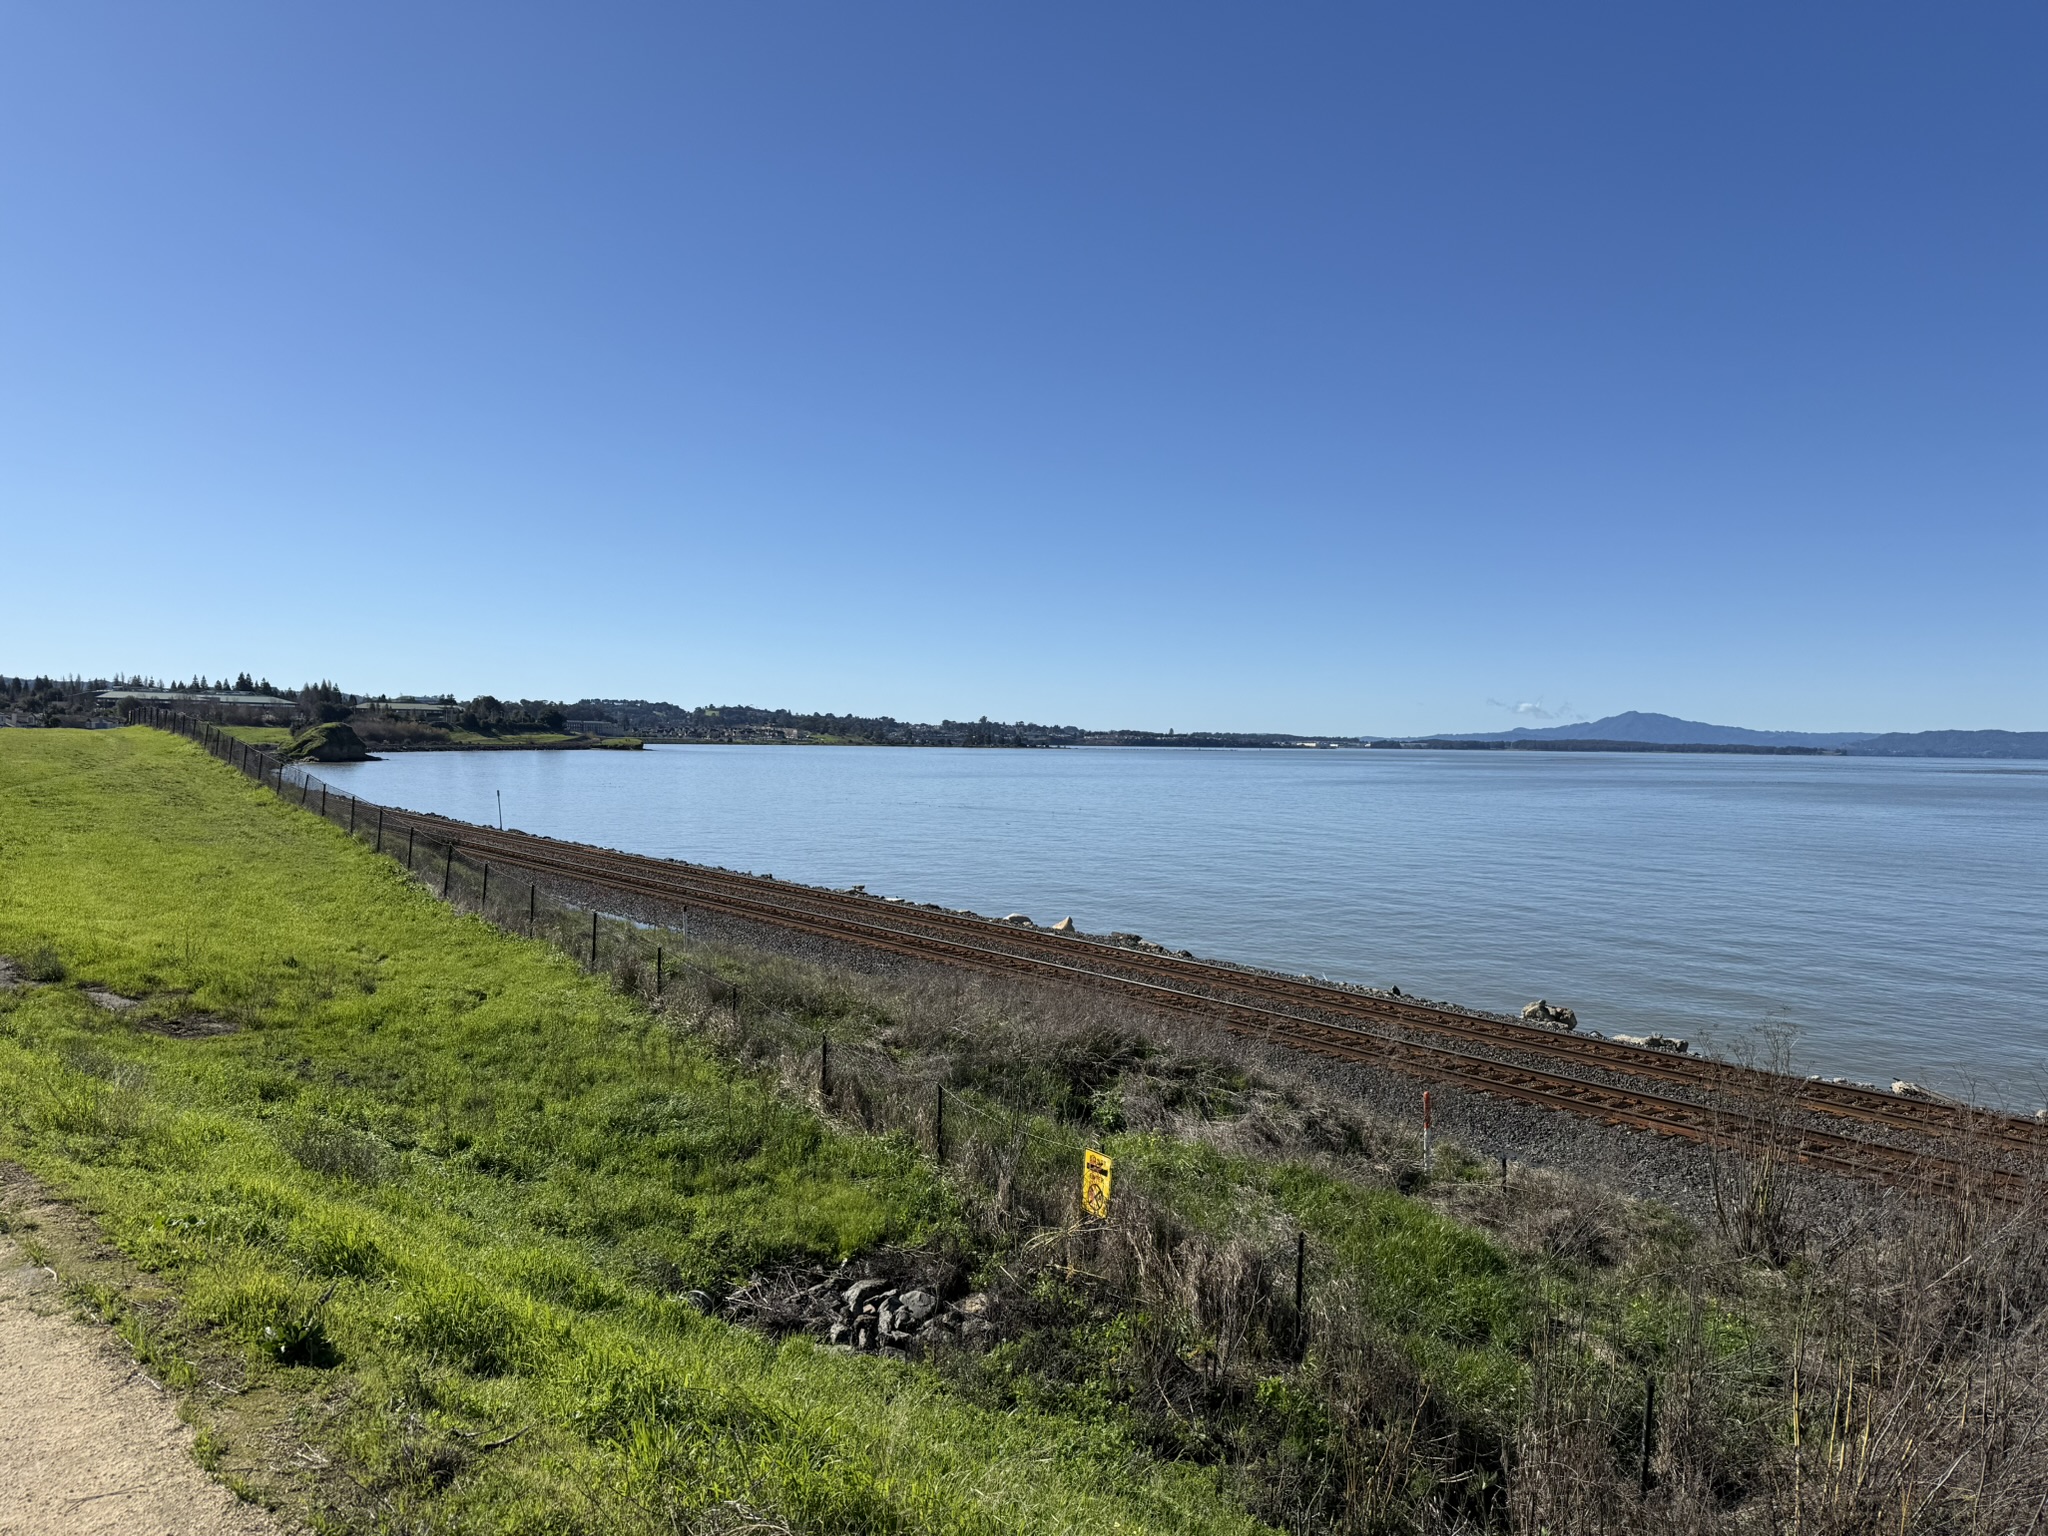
1095,1170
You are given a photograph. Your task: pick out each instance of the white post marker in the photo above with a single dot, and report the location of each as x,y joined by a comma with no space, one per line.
1425,1130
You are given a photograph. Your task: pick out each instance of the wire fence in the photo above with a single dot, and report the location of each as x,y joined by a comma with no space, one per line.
1207,1307
1252,1296
1025,1166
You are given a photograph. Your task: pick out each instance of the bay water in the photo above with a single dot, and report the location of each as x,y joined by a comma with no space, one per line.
1889,916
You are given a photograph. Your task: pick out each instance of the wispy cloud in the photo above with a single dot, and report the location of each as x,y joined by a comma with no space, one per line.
1534,709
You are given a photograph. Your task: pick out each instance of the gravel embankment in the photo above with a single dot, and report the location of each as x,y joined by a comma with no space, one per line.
1626,1162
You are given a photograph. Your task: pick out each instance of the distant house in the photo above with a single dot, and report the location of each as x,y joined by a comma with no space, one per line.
206,698
224,705
426,711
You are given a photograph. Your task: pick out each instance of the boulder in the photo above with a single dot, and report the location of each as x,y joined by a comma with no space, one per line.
916,1308
331,742
861,1292
1020,920
1906,1090
1064,925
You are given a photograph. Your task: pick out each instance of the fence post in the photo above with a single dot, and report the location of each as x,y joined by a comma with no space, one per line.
323,799
1300,1289
408,848
657,970
447,871
824,1066
380,829
1649,1432
352,804
593,938
529,909
939,1123
1425,1130
483,901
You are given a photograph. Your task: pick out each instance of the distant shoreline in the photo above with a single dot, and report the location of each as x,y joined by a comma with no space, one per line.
1185,744
1734,748
582,744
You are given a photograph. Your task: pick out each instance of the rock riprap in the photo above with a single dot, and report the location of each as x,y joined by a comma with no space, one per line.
895,1318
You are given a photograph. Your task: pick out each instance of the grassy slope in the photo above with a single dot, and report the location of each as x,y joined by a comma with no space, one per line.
452,1182
259,735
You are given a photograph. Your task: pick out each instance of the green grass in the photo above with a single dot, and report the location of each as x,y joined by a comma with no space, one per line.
259,735
508,738
439,1188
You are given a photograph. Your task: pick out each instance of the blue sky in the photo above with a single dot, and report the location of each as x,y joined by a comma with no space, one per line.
1331,367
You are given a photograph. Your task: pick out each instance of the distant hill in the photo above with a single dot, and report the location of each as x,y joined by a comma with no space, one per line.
1953,744
1669,730
1572,744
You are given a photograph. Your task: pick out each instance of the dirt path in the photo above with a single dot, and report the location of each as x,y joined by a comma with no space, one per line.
88,1443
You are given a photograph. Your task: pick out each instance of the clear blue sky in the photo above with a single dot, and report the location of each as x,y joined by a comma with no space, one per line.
1335,367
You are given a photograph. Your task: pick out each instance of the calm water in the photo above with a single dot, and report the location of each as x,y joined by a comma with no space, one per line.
1895,914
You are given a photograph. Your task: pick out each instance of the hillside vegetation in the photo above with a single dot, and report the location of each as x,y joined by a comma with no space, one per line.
504,1246
425,1180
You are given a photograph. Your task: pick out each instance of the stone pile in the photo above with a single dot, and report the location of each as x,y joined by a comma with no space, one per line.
884,1318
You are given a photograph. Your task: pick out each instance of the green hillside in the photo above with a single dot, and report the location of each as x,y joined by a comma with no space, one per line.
415,1187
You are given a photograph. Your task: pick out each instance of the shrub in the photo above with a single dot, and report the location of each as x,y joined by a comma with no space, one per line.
456,1318
337,1151
276,1317
336,1243
43,964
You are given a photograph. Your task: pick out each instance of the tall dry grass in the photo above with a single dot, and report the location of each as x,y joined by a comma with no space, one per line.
1874,1365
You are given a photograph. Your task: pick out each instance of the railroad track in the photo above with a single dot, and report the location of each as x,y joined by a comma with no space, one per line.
1438,1044
1434,1044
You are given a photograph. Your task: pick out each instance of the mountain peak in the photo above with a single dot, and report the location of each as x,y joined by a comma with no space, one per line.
1668,730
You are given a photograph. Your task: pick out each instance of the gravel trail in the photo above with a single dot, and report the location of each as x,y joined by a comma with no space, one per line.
88,1442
